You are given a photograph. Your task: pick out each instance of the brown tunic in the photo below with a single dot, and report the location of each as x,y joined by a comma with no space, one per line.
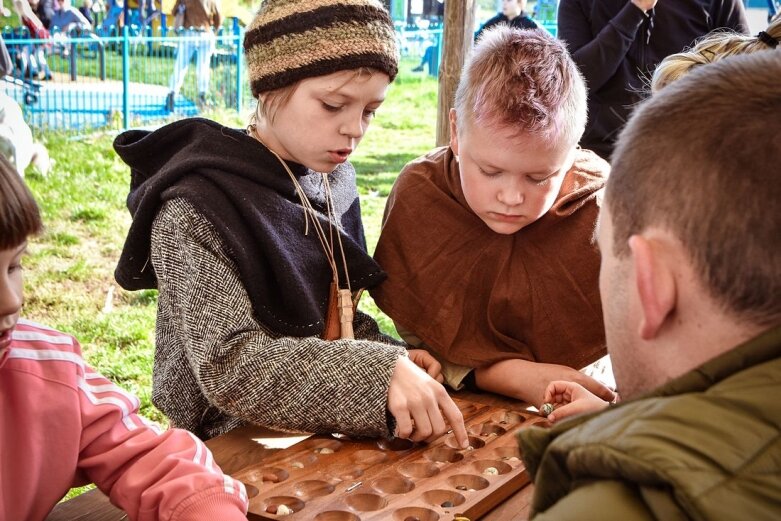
476,297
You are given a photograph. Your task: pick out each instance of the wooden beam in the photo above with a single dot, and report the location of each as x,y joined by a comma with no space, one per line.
457,44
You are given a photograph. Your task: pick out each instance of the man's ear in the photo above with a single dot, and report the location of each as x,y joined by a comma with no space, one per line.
453,132
655,284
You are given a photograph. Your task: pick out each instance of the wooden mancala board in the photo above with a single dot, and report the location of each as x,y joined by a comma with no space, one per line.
327,478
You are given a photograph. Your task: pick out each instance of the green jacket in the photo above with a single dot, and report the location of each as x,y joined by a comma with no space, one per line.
704,446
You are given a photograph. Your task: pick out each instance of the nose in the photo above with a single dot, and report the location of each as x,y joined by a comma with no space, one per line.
11,298
511,194
354,126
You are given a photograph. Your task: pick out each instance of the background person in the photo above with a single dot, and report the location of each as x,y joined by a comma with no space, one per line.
513,14
618,44
195,36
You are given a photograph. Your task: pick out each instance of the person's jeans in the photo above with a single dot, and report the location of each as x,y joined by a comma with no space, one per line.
192,41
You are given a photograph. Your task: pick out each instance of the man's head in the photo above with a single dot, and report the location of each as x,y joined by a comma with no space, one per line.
690,231
513,8
520,110
19,218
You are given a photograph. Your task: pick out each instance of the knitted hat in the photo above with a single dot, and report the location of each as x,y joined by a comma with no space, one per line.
290,40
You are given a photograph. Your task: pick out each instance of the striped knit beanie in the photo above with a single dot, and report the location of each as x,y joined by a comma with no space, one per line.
290,40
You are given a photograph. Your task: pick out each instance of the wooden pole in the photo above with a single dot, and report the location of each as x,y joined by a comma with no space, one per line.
457,44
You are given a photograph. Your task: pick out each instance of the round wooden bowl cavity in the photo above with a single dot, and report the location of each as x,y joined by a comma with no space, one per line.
470,482
474,442
366,502
293,503
419,513
443,455
369,457
393,485
336,515
422,469
312,488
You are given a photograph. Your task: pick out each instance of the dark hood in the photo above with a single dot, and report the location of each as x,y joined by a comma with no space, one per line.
243,190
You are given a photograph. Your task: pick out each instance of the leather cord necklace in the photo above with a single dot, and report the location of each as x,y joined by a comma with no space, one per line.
339,317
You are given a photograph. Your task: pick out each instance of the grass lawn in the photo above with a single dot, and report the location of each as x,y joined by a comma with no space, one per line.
69,271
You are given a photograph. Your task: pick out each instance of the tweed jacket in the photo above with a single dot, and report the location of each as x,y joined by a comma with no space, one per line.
217,367
706,445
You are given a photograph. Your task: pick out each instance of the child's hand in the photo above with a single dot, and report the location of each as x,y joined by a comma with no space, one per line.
428,363
527,381
418,402
571,399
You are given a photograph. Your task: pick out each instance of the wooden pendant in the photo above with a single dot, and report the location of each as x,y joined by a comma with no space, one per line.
332,329
346,313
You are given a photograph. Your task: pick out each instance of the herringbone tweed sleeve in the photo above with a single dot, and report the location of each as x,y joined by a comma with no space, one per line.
217,367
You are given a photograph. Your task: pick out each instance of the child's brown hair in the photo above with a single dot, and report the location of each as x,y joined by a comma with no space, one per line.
524,80
701,159
19,214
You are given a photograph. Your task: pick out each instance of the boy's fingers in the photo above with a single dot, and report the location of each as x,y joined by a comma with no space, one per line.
403,426
420,421
456,421
565,411
604,393
437,425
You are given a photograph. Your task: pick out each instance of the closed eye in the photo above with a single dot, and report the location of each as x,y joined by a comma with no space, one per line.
489,173
331,108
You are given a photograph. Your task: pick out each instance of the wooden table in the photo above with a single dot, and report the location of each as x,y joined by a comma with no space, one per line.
245,446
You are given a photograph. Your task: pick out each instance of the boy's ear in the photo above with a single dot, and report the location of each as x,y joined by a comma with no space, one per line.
655,284
453,131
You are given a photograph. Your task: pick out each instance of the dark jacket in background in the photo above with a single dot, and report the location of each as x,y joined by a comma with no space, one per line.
617,47
522,21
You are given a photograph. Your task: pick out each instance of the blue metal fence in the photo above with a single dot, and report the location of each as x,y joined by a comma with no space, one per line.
81,80
119,79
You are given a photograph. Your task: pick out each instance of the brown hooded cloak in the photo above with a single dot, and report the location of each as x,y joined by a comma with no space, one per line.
476,297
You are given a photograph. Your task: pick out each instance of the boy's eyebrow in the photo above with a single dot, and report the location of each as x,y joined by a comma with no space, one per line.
347,97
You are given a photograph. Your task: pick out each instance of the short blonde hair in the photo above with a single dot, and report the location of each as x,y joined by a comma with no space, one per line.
714,47
525,80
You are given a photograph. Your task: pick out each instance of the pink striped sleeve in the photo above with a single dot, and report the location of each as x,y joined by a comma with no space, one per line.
148,473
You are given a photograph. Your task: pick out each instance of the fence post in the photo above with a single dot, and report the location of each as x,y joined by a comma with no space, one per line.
239,53
72,60
125,77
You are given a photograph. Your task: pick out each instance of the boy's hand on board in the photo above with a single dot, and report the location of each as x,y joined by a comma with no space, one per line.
527,381
421,405
570,399
427,362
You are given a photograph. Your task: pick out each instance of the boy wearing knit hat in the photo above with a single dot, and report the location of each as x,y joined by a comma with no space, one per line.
255,242
487,242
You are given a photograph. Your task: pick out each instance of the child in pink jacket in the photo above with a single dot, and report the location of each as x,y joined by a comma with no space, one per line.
64,425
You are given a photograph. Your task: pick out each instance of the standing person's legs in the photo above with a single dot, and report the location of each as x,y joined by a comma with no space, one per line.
205,49
184,52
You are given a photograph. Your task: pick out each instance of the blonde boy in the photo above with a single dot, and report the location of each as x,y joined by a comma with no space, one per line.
487,242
